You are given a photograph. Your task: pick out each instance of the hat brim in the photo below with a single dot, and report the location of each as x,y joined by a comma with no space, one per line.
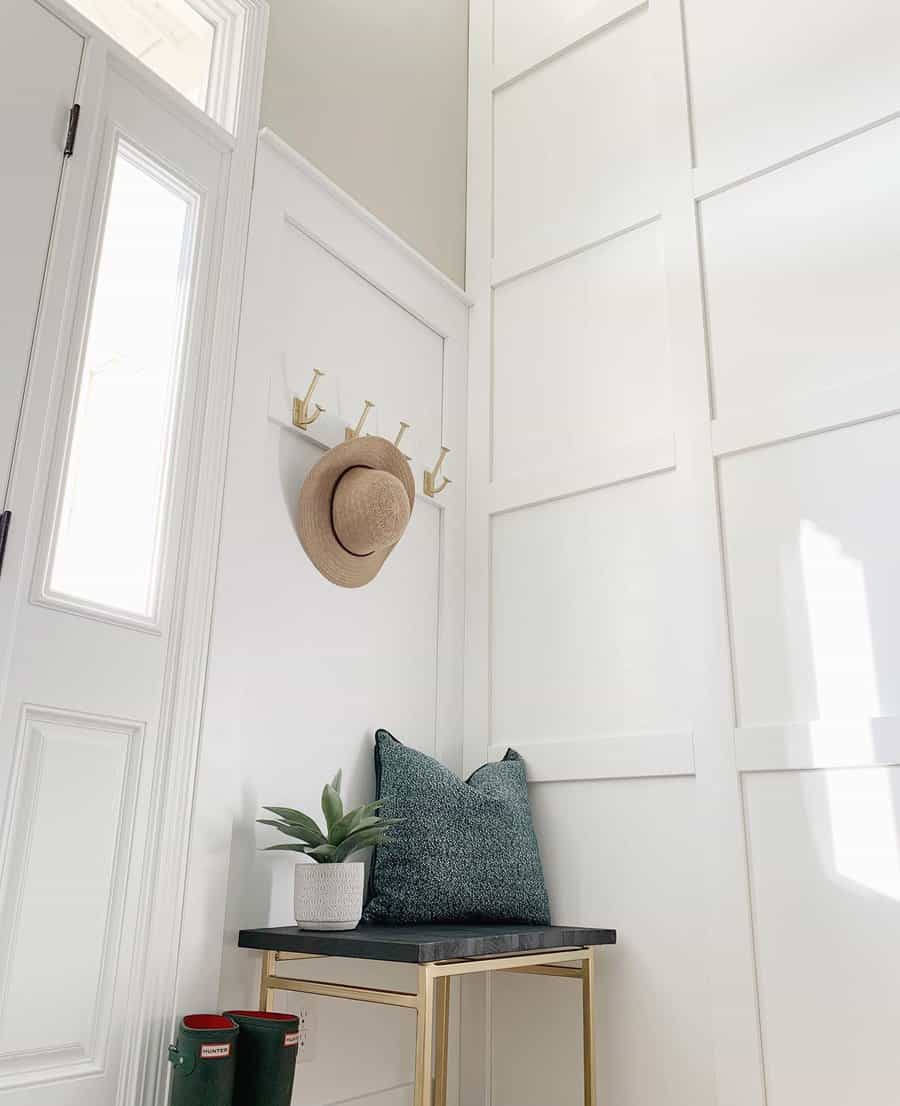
315,524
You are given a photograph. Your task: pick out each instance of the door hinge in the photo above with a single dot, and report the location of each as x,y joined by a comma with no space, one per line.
74,113
5,520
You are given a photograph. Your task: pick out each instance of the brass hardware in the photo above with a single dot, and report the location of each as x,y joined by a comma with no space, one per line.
404,426
349,434
431,1003
442,1040
588,1055
430,484
301,415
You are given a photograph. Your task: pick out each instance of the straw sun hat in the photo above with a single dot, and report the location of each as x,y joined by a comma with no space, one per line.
355,504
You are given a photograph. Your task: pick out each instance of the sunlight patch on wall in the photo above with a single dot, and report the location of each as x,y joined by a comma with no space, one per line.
860,802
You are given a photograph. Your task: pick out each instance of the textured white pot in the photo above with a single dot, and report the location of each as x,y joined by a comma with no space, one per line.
328,896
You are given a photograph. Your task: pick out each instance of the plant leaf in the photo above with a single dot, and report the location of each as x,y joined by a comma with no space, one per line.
291,847
352,821
292,831
332,807
362,839
324,854
336,782
297,818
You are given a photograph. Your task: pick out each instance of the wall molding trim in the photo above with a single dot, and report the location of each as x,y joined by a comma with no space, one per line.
793,746
578,32
271,139
610,757
608,467
875,397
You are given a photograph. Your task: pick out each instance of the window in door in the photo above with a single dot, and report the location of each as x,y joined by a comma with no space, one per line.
195,45
107,545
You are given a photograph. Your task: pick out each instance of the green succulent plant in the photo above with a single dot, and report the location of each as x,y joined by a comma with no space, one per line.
345,835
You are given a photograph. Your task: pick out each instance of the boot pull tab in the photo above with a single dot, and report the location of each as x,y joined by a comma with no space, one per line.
184,1063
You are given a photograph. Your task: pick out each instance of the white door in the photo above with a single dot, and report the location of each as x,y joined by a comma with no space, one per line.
39,60
90,685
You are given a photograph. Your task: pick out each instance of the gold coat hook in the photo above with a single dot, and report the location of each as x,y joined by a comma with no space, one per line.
301,416
349,434
404,426
430,484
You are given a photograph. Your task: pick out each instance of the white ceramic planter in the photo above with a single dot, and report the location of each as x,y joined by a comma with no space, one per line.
329,896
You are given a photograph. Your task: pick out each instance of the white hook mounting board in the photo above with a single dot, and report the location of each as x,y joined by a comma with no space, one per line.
328,430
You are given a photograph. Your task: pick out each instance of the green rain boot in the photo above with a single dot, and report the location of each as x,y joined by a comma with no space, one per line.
266,1057
204,1059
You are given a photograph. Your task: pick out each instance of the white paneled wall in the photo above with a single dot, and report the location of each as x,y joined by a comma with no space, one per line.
682,588
302,672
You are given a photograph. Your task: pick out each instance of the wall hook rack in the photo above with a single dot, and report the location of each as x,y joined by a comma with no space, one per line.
351,433
301,412
430,484
404,426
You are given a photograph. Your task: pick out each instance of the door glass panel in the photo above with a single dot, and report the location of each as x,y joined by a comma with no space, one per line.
169,36
108,540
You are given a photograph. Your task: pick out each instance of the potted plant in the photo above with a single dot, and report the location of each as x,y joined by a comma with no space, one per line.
328,894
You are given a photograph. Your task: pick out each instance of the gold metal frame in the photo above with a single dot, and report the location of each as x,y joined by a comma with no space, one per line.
431,1002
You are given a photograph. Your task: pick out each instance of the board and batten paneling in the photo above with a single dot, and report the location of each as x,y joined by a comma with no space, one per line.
811,553
802,271
302,672
770,79
683,216
599,841
580,356
322,299
565,177
600,625
826,902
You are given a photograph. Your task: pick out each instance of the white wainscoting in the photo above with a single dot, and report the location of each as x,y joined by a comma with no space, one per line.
593,169
302,671
581,357
811,554
600,625
682,544
826,904
600,842
802,270
771,78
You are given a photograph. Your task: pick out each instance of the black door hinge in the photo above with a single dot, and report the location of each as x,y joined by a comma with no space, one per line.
74,113
5,520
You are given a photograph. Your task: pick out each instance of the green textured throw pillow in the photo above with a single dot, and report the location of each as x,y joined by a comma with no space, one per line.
466,849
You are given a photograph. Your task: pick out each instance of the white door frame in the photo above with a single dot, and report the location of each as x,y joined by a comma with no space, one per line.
150,1005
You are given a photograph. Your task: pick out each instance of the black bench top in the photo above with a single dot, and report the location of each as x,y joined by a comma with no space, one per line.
423,944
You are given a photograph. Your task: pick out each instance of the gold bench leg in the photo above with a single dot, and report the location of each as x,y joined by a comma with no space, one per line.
265,991
424,1036
442,1045
587,1021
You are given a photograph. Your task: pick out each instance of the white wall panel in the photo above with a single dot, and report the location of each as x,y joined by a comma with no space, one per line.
826,893
573,148
777,76
812,545
581,356
302,671
583,615
803,274
394,359
600,842
63,882
527,30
